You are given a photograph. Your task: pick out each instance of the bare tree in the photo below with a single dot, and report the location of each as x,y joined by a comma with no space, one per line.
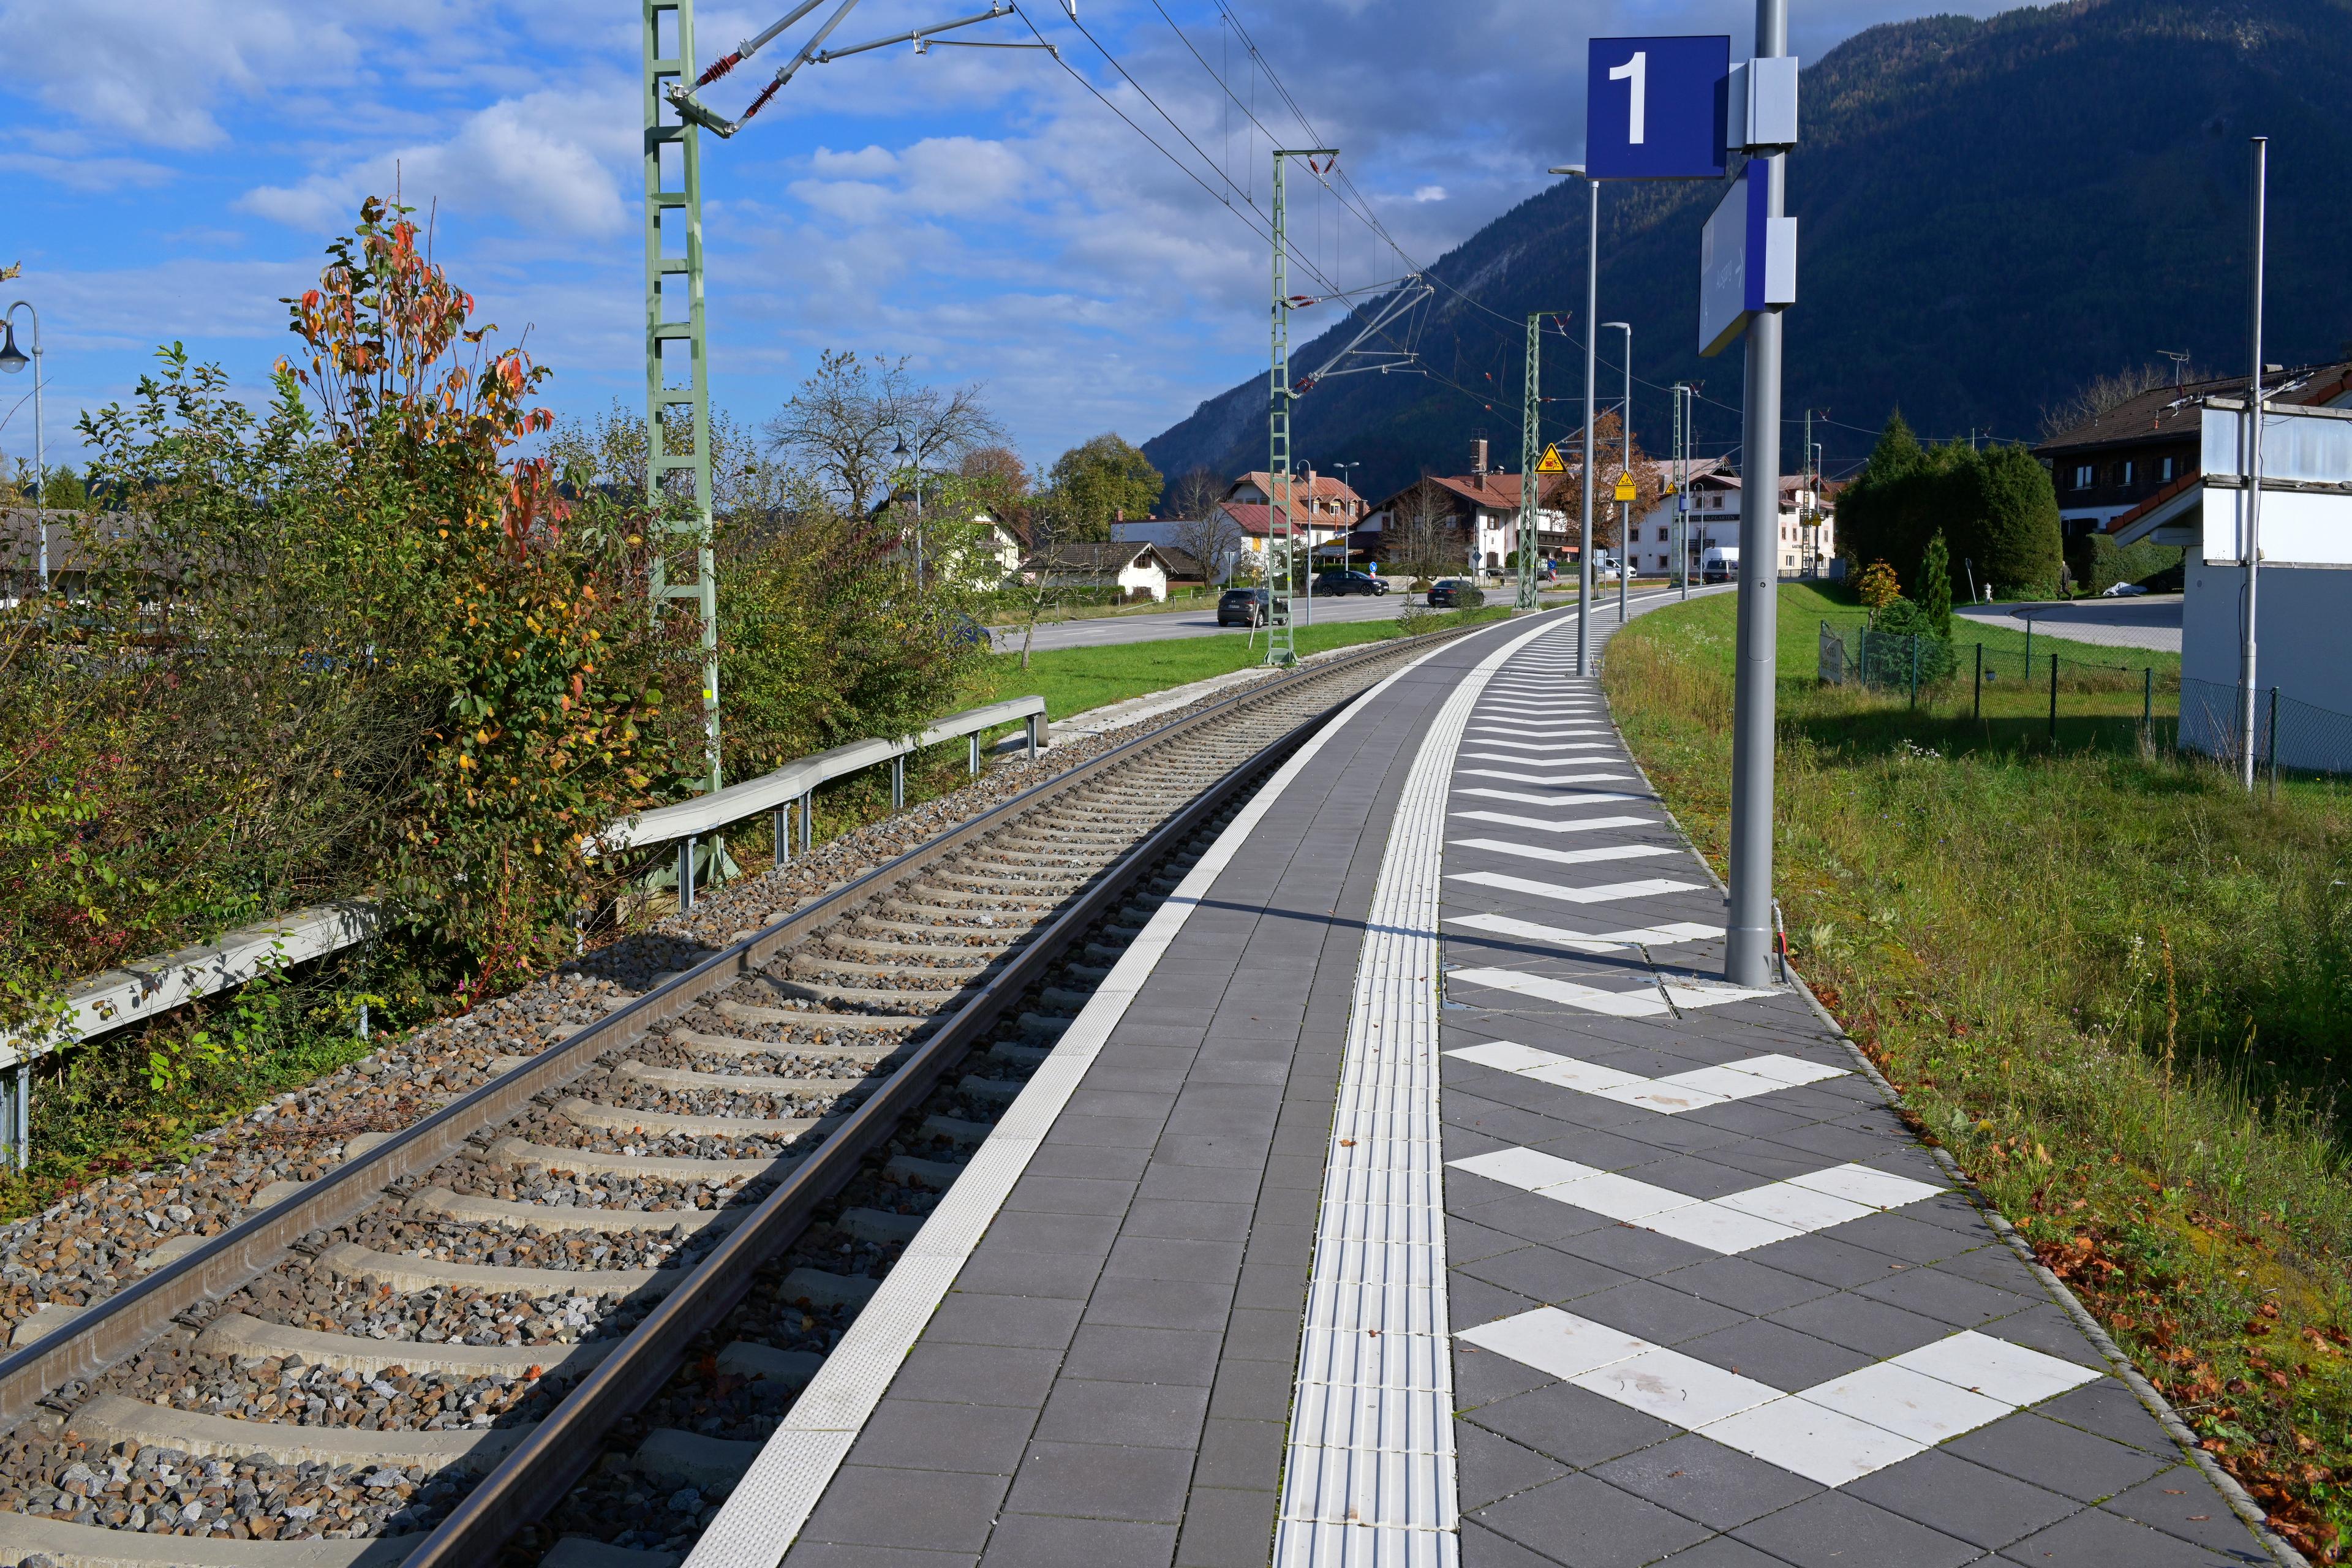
2102,393
1423,521
1212,538
1195,494
1037,587
848,417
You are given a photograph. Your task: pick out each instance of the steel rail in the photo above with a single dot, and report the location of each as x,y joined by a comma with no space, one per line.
126,1321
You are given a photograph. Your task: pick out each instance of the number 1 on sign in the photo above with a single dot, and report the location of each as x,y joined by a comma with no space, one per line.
1637,71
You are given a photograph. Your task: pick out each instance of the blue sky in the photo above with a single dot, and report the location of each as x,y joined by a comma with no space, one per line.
172,167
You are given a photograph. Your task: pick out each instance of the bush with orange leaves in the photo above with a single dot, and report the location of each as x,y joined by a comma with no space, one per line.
359,642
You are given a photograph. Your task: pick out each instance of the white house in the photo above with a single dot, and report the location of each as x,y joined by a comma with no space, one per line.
1132,568
2302,635
1712,505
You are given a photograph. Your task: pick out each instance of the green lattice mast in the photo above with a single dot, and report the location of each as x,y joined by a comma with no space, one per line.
1531,453
678,417
1280,647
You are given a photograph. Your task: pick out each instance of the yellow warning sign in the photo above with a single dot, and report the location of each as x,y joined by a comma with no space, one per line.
1550,463
1624,487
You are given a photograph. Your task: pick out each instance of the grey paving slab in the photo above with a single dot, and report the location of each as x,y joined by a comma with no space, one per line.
1164,1233
2066,1469
1110,1381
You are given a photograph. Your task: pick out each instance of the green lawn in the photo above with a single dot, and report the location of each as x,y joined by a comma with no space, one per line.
1075,680
2119,991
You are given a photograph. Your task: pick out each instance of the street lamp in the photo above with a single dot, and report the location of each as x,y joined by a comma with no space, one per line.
1625,516
11,360
1591,368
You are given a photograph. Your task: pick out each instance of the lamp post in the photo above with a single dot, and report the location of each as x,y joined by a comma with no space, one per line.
1625,509
11,360
1591,368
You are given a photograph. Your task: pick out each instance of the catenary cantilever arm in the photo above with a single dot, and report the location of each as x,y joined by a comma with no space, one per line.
813,52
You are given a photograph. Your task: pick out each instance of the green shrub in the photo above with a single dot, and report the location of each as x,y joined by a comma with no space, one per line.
2098,565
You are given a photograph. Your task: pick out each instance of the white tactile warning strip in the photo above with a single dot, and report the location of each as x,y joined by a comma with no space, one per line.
1589,942
1604,893
1672,1094
1662,996
1734,1223
1545,778
1369,1475
765,1512
1831,1432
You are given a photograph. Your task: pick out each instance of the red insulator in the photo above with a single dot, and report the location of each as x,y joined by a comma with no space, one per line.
719,67
766,93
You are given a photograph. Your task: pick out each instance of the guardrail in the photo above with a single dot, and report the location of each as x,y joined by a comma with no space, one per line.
152,986
784,794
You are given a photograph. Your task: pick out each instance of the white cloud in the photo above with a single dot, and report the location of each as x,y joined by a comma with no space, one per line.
1428,193
153,72
530,161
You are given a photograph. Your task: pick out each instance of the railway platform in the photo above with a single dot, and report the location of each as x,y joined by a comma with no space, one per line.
1411,1192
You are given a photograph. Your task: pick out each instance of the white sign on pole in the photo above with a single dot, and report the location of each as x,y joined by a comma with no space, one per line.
1746,262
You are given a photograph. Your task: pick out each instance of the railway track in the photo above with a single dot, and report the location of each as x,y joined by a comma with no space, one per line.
554,1319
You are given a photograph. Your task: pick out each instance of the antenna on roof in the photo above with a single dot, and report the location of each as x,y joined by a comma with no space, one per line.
2179,364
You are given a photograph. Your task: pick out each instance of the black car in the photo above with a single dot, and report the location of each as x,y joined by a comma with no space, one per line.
1455,594
1344,582
1249,607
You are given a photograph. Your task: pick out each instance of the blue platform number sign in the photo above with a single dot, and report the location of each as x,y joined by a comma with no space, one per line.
1654,108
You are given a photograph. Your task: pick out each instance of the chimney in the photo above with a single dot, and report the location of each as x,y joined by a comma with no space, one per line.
1478,464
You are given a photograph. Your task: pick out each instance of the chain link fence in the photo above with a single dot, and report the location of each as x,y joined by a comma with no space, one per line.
2299,736
2048,681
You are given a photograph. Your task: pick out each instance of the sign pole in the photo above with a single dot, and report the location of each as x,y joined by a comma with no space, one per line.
1747,948
2246,679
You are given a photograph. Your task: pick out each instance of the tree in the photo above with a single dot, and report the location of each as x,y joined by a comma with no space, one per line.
2015,509
849,416
2102,393
1933,590
1568,496
1037,587
1877,587
1213,538
609,449
1196,494
1423,538
1993,507
1104,478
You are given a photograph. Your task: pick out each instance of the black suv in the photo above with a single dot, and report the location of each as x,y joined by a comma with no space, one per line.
1249,607
1344,582
1455,593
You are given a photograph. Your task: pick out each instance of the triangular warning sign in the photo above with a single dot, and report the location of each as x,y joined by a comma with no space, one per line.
1624,487
1550,463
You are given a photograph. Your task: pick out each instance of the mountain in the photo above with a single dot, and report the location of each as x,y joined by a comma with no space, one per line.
1991,213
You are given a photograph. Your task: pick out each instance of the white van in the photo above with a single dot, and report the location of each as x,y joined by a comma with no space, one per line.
1720,564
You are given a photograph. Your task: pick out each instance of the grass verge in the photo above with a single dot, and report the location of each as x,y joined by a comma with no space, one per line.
2112,986
1072,679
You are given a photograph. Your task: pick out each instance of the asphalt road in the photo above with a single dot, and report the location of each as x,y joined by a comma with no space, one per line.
1192,622
1202,623
2149,621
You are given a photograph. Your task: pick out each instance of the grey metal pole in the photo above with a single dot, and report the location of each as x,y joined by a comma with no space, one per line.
1747,947
1625,509
2248,670
1591,368
40,451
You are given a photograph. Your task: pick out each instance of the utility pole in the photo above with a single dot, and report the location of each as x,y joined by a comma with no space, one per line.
678,418
1748,946
1530,452
1281,647
2261,153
